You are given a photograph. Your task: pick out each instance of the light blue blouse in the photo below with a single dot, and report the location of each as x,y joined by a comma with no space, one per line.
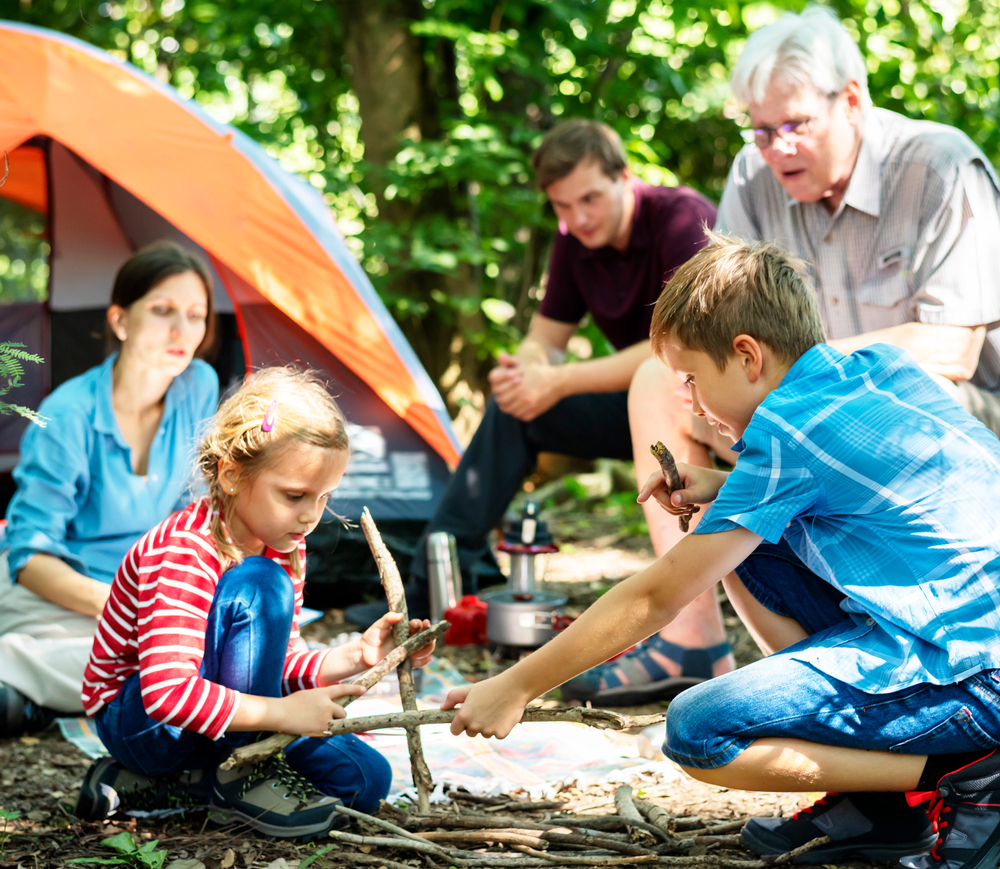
77,498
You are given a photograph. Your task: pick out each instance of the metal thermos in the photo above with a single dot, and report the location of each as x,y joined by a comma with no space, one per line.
444,577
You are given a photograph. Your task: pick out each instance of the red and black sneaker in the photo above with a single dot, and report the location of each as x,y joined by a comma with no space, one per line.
867,825
965,812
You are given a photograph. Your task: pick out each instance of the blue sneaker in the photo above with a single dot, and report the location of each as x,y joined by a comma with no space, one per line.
640,676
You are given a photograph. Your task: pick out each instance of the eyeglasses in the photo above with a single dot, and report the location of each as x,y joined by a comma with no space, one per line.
790,132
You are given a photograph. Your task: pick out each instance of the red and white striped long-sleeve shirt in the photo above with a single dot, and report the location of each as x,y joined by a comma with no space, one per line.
155,621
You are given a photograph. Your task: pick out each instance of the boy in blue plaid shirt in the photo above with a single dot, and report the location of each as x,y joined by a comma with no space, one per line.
857,537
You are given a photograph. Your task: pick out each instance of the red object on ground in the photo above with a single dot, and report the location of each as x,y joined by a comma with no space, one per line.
468,622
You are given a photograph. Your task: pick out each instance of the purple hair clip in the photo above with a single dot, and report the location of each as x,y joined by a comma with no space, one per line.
269,417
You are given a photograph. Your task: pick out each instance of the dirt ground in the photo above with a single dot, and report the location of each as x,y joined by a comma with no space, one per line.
40,774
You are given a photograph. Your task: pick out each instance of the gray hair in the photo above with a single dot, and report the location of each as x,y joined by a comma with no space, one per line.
812,48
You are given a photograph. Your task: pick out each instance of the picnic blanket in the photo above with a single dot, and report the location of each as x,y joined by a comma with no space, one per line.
537,758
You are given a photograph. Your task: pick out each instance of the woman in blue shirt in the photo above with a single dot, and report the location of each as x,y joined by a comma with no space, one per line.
113,461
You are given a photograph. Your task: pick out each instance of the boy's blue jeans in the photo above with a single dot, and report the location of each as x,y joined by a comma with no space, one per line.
710,724
245,643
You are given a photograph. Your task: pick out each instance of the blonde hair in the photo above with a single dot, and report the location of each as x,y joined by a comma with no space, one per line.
732,288
305,414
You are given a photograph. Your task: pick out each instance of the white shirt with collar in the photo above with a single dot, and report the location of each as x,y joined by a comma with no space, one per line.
915,239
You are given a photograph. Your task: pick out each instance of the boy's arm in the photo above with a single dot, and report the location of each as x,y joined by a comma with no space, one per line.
628,613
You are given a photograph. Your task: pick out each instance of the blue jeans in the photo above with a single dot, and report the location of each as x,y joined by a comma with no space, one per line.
710,724
245,642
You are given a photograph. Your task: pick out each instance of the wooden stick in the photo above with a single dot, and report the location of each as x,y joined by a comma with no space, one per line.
515,836
390,842
716,829
626,808
657,817
258,751
393,585
669,468
603,719
788,856
584,860
378,822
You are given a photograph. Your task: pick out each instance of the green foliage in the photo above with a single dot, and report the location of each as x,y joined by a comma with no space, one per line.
128,853
453,203
6,815
12,355
24,250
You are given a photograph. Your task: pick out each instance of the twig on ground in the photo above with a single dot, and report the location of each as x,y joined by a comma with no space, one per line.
391,842
379,822
657,816
526,806
625,807
603,719
389,573
584,860
788,856
716,829
714,840
369,860
521,836
258,751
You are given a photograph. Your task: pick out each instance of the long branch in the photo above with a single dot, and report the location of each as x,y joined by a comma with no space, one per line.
258,751
602,719
389,573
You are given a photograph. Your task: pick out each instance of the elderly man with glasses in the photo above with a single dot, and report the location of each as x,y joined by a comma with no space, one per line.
896,218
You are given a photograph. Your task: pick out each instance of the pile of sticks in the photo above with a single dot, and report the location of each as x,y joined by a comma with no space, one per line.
486,832
639,832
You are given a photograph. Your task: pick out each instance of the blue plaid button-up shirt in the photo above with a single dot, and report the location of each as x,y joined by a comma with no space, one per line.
890,491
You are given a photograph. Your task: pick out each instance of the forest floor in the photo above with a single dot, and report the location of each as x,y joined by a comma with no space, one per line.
40,774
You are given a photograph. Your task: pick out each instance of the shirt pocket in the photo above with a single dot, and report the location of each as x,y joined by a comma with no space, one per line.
885,298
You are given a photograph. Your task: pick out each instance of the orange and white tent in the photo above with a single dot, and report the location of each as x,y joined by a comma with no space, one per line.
115,159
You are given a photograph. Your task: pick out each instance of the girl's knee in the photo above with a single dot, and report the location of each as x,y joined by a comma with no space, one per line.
344,767
374,786
258,582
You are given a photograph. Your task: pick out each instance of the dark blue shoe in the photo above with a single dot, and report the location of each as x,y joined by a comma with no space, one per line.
640,676
880,827
19,715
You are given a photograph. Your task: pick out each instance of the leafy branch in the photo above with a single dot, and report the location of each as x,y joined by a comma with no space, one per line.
12,355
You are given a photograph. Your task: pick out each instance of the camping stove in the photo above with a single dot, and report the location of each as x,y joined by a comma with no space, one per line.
523,614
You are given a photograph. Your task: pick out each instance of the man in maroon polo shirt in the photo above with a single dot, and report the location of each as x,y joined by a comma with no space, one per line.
618,241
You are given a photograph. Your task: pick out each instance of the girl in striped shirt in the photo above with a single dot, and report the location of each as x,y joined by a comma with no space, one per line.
198,648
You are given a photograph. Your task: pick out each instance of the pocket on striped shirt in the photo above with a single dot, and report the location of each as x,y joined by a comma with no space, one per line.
885,299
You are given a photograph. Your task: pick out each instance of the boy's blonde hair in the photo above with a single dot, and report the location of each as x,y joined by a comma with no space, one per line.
732,288
305,414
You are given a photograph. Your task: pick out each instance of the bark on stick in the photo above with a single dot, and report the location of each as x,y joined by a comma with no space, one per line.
602,719
258,751
673,478
393,585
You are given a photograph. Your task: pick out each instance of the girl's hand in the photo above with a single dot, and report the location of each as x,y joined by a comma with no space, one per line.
699,486
489,708
377,641
309,712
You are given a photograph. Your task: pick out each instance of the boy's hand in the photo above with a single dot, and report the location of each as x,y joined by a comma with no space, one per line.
489,708
309,712
377,641
699,486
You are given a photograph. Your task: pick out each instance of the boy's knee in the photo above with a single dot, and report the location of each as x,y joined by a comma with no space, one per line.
693,724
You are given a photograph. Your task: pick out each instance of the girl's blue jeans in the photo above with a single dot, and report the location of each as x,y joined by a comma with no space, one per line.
710,724
245,643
